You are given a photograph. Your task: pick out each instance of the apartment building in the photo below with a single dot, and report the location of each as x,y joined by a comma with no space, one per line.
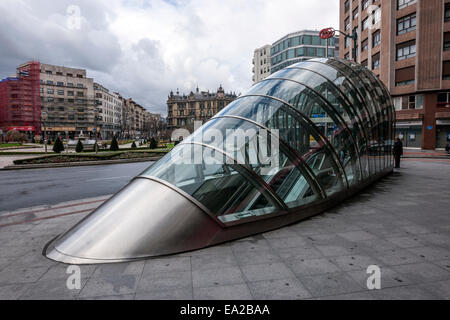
109,107
184,110
261,63
406,43
67,96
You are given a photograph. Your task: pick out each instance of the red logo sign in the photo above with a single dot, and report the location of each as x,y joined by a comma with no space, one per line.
327,33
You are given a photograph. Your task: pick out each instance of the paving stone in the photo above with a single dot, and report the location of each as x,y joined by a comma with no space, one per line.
404,293
231,292
431,253
119,269
354,262
172,264
290,242
176,294
440,289
13,292
217,277
357,235
13,274
350,296
281,289
444,264
280,233
204,262
267,271
109,286
55,289
304,253
330,284
406,242
312,267
165,281
423,272
398,257
258,257
246,246
114,297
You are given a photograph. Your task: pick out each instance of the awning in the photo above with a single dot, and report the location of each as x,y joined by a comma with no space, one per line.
443,122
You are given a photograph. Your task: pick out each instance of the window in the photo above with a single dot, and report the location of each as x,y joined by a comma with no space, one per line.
447,12
376,61
71,117
49,82
347,23
406,24
365,4
443,99
307,40
50,91
59,73
405,3
364,45
406,50
60,99
48,72
376,38
376,15
405,76
80,110
311,52
346,6
70,75
355,14
60,84
365,63
408,102
446,70
70,93
365,24
60,92
60,108
347,42
79,85
80,76
81,118
50,99
446,41
70,84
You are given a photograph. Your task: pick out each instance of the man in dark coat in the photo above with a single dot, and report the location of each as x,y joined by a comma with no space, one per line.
397,151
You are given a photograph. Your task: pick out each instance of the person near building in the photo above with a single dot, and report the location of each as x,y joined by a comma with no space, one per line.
397,151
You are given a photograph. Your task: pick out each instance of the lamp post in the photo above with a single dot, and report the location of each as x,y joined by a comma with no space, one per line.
96,113
330,32
44,118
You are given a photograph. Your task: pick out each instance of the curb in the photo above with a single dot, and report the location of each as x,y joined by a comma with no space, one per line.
77,164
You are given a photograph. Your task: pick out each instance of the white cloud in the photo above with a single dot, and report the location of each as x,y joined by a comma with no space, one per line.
145,48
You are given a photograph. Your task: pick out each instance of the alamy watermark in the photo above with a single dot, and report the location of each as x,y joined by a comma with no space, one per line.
374,280
74,280
73,14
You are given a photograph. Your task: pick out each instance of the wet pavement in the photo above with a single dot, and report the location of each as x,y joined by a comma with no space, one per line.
401,224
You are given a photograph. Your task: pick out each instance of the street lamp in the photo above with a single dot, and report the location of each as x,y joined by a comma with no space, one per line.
330,32
96,113
44,117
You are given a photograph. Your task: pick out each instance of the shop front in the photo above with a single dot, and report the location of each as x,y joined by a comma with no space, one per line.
410,132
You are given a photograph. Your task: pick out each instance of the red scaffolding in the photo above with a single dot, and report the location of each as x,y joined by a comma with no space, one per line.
20,102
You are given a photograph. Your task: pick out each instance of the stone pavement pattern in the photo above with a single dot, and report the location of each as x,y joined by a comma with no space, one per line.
401,224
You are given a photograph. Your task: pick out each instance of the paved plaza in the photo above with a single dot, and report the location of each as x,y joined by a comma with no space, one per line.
401,224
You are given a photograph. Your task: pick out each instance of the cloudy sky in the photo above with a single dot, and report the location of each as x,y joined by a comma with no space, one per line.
145,48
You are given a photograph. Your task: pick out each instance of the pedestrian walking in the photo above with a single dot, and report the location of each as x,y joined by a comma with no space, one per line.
397,151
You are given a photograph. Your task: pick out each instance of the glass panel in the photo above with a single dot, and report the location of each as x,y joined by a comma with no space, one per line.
308,102
257,149
293,130
223,188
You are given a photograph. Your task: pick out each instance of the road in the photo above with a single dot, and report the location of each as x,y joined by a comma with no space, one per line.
35,187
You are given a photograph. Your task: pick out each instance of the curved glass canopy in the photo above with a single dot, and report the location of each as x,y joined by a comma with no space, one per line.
300,141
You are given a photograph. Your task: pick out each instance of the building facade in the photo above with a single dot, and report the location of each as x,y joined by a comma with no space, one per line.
184,110
67,96
20,104
261,63
406,43
109,107
300,46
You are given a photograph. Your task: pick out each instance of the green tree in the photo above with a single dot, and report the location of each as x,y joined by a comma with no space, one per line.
153,143
79,147
58,146
114,144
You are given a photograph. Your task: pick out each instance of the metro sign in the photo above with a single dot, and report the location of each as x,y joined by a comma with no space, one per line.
21,128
